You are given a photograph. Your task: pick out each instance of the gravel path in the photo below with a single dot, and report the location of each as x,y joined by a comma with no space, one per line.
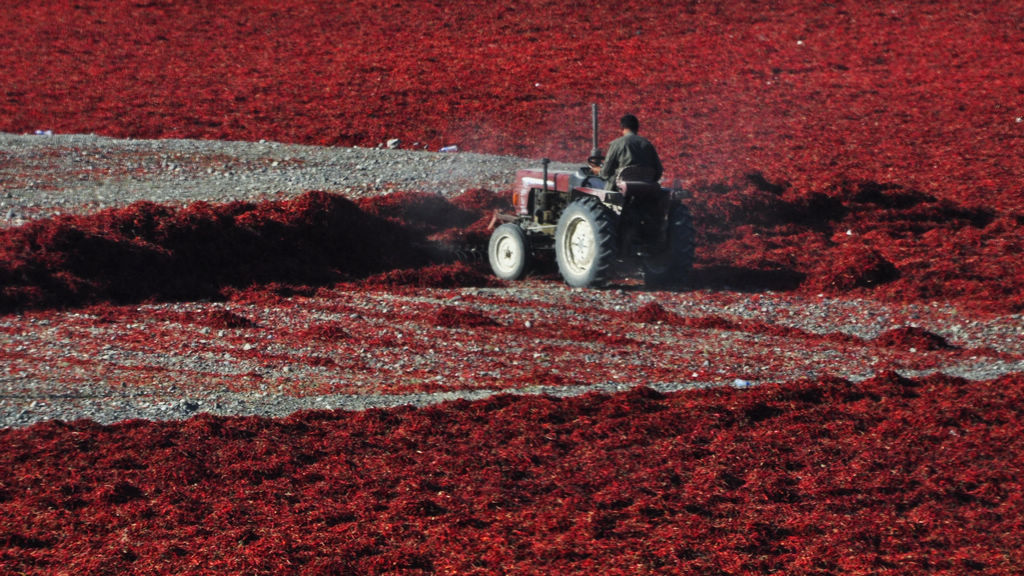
168,361
165,361
42,175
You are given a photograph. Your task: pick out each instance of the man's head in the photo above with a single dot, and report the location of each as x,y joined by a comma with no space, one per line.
630,123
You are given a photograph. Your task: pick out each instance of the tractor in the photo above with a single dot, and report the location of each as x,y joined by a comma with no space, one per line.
595,230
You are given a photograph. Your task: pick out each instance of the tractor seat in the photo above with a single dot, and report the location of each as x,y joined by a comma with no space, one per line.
635,180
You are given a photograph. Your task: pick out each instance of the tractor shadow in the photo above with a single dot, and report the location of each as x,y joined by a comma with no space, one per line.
739,279
715,278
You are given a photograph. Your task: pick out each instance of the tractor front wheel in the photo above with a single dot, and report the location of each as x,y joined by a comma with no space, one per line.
509,252
585,243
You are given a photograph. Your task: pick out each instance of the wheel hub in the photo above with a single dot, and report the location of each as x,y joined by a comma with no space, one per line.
579,244
507,253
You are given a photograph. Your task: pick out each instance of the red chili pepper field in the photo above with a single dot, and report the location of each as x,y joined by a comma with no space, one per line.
838,389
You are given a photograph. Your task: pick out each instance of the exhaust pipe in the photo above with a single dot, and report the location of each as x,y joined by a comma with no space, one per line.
545,162
544,214
594,150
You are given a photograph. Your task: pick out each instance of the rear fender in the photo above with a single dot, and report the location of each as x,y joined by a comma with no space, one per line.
645,210
637,189
612,197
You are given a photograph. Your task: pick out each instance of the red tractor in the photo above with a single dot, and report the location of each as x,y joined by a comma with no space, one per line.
593,230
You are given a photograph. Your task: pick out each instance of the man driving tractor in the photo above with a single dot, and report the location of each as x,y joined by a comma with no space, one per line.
594,225
630,149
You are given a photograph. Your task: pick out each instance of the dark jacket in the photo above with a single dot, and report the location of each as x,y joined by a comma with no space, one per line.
630,150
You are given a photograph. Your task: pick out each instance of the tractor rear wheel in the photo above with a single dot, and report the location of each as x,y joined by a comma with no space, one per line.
585,243
509,252
673,262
